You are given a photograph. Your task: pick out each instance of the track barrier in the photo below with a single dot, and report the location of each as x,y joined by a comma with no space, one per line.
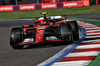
22,7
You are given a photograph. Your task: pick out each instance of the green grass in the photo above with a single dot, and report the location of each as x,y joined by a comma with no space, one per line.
60,11
95,62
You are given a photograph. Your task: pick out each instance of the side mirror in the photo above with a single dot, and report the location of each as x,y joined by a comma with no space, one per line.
34,22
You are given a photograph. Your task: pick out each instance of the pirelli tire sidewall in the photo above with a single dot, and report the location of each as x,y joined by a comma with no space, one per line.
65,32
16,36
75,30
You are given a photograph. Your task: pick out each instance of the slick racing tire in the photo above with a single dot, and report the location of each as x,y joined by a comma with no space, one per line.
75,30
16,37
65,32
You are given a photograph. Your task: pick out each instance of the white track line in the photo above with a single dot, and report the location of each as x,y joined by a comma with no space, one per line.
92,30
92,36
72,63
87,26
91,53
93,33
84,23
88,46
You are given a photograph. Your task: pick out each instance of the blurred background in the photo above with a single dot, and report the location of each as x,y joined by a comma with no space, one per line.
16,2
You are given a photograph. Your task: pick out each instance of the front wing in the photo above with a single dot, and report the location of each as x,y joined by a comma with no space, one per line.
43,42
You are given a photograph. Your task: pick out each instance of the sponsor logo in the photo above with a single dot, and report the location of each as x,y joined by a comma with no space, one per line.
28,40
31,39
48,6
51,38
70,4
48,38
40,30
73,4
41,27
6,8
27,7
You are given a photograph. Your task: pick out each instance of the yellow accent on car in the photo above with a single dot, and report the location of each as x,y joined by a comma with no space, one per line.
44,13
40,30
25,33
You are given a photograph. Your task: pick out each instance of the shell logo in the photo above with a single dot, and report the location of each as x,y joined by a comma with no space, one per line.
40,30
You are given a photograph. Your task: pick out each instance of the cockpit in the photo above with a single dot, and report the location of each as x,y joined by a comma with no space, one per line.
50,20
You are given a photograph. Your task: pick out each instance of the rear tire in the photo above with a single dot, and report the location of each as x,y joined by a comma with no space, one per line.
66,33
16,37
75,30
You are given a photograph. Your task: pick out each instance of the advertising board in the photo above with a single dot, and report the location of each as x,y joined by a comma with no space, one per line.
73,4
27,7
48,5
6,8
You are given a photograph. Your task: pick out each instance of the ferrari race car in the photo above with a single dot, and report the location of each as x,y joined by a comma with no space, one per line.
44,30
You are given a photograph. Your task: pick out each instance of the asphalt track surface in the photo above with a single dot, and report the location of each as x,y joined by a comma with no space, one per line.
29,56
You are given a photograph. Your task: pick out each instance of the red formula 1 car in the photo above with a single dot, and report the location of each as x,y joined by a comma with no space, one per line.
44,30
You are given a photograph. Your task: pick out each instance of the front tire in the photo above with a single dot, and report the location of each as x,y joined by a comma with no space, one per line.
16,37
66,33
